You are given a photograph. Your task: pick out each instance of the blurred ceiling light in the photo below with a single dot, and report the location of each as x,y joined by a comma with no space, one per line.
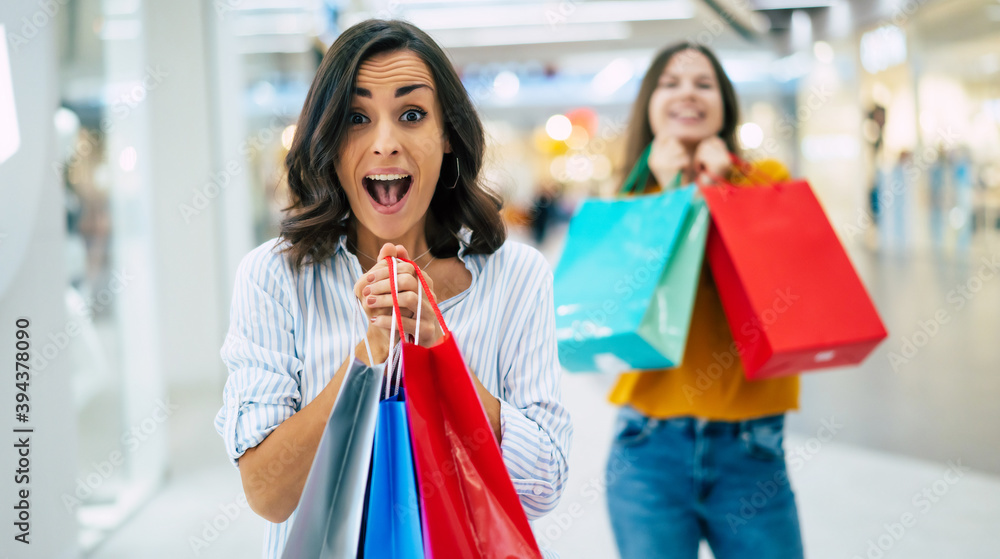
271,23
532,35
762,112
263,93
760,22
578,138
791,67
127,159
839,19
957,218
287,135
747,70
790,4
553,16
558,127
751,135
274,43
119,7
265,5
506,85
830,147
10,136
580,168
602,167
823,52
801,30
500,132
612,77
67,125
883,48
558,168
421,2
125,29
66,121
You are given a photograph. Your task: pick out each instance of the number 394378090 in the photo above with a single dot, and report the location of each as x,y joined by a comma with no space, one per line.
22,344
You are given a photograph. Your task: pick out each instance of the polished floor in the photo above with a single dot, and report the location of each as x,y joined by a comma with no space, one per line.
904,426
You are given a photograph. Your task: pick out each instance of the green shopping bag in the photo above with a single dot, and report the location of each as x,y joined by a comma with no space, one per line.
625,285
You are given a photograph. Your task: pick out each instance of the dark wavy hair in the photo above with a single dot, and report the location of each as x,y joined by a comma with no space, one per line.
320,213
640,132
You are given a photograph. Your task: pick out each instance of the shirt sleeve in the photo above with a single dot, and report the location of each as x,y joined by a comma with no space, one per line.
262,389
535,427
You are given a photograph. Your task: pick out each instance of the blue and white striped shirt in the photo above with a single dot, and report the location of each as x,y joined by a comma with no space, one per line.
289,332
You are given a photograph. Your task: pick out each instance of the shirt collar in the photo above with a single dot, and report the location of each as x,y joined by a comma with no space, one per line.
473,262
464,237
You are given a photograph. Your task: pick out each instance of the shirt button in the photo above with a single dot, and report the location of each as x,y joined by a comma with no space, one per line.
537,490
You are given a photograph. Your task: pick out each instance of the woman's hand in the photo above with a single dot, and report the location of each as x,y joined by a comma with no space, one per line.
711,159
376,295
377,337
667,158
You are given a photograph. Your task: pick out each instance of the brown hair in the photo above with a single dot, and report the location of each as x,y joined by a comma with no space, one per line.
320,213
640,133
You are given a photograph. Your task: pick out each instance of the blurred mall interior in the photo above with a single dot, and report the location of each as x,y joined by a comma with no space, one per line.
141,157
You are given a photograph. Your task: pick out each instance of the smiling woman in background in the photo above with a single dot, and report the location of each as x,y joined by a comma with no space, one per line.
385,162
697,450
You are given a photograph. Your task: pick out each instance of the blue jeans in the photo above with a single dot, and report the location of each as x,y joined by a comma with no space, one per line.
674,482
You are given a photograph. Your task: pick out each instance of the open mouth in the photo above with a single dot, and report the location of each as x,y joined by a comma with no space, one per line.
387,191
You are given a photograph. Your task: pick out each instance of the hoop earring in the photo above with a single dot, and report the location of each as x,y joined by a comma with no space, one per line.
458,173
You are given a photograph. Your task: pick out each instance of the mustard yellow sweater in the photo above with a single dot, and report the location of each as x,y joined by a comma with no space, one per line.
710,382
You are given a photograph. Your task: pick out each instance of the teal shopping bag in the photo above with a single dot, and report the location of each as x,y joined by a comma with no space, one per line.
392,529
626,282
668,318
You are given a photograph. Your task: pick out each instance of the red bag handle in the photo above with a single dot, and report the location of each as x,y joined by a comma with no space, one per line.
716,179
423,283
744,167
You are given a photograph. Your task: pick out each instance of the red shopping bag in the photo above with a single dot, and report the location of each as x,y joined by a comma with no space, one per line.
468,503
791,295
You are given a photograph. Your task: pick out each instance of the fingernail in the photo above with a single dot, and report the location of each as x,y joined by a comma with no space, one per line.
371,278
366,290
373,319
371,300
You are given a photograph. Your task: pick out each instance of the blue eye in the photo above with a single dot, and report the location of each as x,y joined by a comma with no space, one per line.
413,115
357,118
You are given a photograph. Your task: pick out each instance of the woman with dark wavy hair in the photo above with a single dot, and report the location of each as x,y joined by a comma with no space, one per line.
386,161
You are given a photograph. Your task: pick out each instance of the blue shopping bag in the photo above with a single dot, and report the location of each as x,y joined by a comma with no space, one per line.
625,284
392,528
